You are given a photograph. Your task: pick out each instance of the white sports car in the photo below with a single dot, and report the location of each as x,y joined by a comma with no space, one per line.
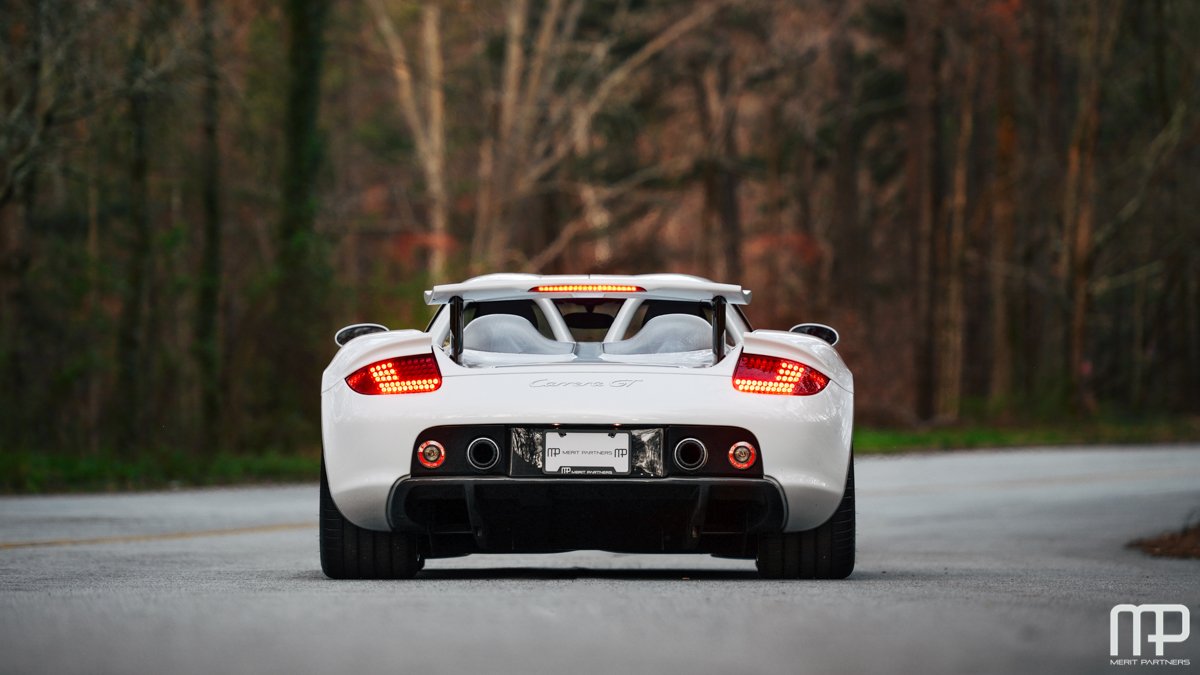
553,413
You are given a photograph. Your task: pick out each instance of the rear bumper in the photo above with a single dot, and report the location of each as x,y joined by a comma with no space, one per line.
495,514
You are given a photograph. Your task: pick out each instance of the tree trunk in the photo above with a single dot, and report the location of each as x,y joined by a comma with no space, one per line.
207,344
1042,322
716,108
1003,225
480,257
435,127
131,338
850,246
18,201
1191,329
1080,197
919,171
729,207
707,97
706,246
425,122
952,326
777,279
1162,96
303,279
94,405
501,190
724,115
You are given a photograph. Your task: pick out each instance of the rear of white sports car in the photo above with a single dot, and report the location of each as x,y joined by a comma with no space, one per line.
544,414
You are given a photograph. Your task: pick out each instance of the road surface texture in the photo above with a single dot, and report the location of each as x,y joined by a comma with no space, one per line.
972,562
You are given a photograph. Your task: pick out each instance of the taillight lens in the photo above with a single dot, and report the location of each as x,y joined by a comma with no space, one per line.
771,375
402,375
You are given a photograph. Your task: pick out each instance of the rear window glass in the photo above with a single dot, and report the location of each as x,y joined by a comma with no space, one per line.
589,320
526,309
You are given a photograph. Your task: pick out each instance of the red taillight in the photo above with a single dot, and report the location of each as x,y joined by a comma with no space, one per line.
431,454
402,375
587,288
771,375
742,455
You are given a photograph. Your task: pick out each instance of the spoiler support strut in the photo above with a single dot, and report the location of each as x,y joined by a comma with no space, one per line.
456,329
718,328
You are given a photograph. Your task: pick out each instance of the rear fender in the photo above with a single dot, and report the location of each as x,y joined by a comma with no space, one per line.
371,348
803,348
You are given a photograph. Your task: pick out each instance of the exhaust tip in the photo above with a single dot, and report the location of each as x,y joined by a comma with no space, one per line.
690,454
483,453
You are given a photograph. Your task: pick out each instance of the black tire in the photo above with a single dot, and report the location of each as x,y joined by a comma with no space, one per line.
350,552
824,552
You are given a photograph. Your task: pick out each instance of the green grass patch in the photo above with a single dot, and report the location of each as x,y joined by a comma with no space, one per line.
884,441
34,472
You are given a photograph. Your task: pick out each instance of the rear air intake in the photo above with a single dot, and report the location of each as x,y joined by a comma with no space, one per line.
483,453
690,454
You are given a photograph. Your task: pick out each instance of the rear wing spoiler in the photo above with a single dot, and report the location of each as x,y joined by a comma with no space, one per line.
518,287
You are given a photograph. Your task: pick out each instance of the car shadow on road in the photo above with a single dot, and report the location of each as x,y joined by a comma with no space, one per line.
572,573
538,573
583,573
862,574
565,573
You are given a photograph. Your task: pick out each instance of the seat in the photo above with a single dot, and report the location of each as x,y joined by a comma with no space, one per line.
521,308
666,334
510,334
657,308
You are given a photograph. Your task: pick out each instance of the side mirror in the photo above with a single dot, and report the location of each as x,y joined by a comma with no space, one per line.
817,330
356,330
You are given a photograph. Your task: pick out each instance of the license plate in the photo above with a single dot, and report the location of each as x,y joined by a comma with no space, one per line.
582,454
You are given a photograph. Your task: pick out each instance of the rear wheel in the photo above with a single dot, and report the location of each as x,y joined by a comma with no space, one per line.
824,552
350,552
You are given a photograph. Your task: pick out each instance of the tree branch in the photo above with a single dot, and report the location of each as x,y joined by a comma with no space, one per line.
584,115
403,74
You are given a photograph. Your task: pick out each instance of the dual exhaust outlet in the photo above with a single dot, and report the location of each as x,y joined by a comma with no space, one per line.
691,454
482,454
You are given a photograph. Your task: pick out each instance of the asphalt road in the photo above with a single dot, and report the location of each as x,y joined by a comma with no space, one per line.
972,562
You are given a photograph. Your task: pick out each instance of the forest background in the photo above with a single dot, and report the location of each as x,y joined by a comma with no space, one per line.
988,198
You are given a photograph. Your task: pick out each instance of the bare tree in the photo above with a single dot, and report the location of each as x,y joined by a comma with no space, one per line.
207,319
1079,188
1005,15
425,116
541,123
302,281
133,374
716,101
921,151
951,326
